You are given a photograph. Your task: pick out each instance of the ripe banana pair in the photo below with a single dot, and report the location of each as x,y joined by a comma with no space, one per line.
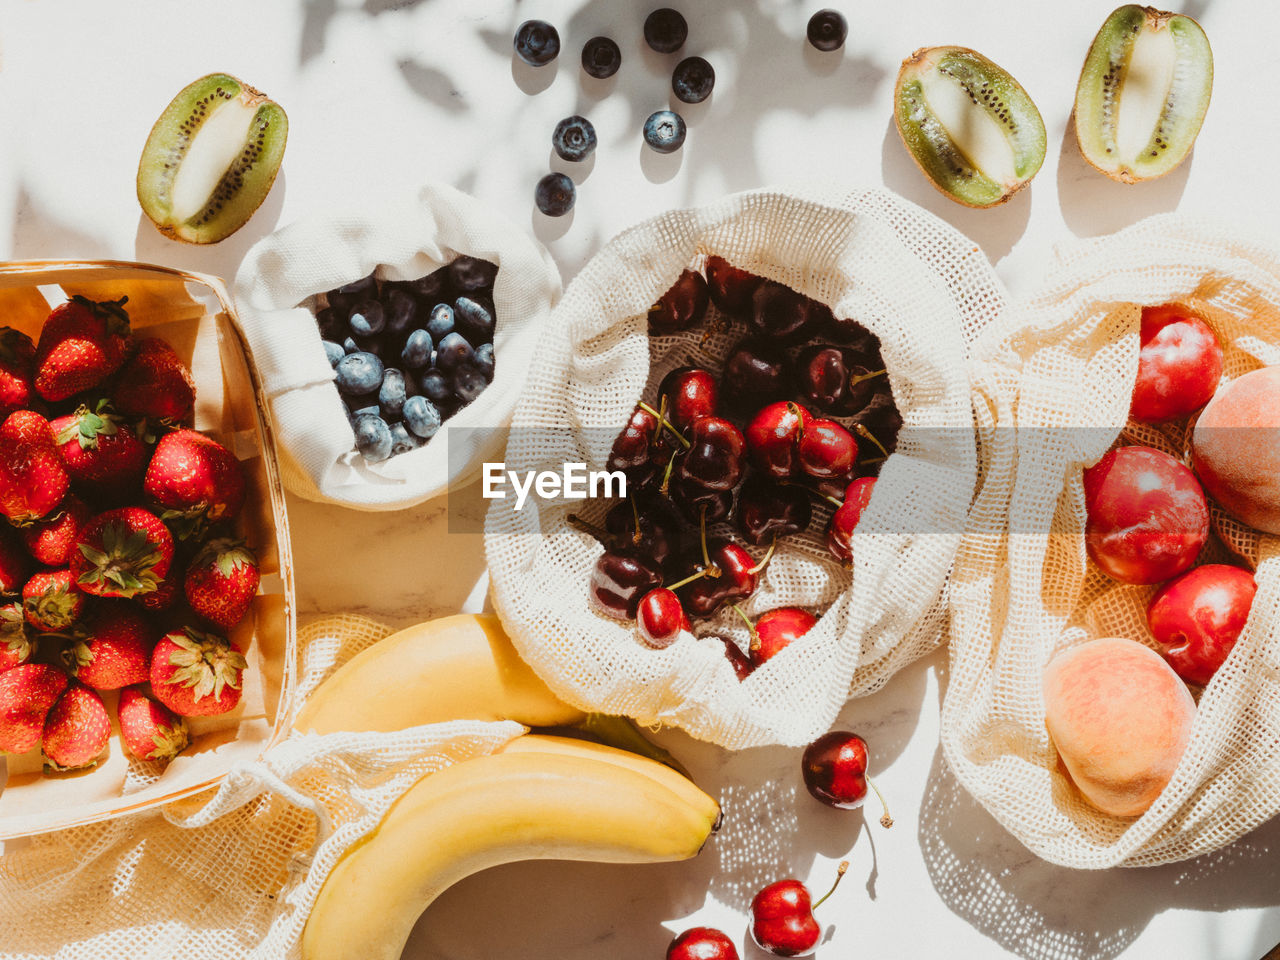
541,797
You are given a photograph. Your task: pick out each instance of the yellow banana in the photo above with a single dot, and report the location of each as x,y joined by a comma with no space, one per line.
540,798
455,668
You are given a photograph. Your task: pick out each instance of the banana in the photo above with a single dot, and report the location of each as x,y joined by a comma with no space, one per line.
455,668
539,798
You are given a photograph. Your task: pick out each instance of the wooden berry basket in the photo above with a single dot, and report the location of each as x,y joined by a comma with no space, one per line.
194,314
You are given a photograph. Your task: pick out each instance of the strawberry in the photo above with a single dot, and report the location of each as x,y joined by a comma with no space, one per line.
196,674
76,731
150,730
222,581
81,344
154,383
166,593
191,475
26,694
101,452
15,565
51,601
115,649
32,478
17,354
122,553
15,646
52,541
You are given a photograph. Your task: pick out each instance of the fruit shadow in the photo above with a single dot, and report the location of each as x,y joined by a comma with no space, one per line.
1039,911
1093,204
994,229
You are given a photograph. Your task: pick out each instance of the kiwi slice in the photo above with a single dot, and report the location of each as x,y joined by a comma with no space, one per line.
968,125
1143,93
211,159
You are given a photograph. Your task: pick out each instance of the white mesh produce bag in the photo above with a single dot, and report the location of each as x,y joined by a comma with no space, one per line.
232,873
275,295
916,283
1052,394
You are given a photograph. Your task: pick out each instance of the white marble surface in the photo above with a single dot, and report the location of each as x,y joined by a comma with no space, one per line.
385,93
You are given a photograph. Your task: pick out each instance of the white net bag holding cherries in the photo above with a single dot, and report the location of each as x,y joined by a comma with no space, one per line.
829,368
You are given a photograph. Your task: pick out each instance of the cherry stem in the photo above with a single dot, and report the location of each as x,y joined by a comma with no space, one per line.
754,643
886,821
586,526
862,431
854,381
702,572
664,422
840,872
635,512
767,557
711,570
666,476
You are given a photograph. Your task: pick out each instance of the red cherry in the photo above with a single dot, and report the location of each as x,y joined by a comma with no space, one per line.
714,459
631,447
1179,365
772,435
846,518
1198,616
660,618
741,663
731,288
690,393
755,373
619,580
767,510
776,629
826,449
835,771
782,920
702,943
681,307
783,315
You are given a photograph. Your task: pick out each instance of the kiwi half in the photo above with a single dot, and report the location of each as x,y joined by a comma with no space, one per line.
211,159
968,125
1143,93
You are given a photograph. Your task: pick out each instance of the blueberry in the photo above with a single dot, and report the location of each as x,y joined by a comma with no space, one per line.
417,350
332,325
333,351
469,274
421,417
359,373
537,43
400,309
349,345
346,296
468,383
574,138
484,361
601,58
373,438
827,30
475,318
665,30
435,386
441,322
367,319
363,408
692,80
402,441
664,131
392,394
555,194
454,350
431,288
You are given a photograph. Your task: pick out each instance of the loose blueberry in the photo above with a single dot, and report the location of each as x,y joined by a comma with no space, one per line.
417,350
441,322
474,318
468,383
692,80
555,194
421,417
332,326
367,319
537,43
402,441
392,395
574,138
664,131
359,373
333,351
484,360
431,288
665,30
435,386
601,58
400,309
827,30
469,274
453,352
373,438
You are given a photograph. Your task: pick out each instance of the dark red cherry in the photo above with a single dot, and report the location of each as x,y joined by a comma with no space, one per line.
735,578
631,448
834,768
731,288
843,522
782,920
702,943
715,458
826,449
768,510
776,629
864,344
619,580
783,315
833,488
647,524
741,663
771,438
661,618
834,379
755,373
692,499
691,392
681,307
878,424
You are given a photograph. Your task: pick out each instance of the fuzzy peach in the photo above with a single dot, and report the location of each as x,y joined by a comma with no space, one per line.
1235,448
1120,719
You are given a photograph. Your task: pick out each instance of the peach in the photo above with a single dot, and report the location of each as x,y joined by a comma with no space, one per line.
1179,365
1120,719
1235,448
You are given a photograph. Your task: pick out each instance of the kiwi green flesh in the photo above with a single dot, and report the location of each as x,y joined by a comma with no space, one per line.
1143,93
211,159
969,125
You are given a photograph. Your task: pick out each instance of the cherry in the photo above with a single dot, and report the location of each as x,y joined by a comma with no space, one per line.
782,315
631,451
767,510
864,345
690,393
661,618
646,523
695,501
843,522
681,307
835,380
782,920
826,449
741,663
772,435
1179,365
702,943
776,629
878,423
1197,618
714,460
755,373
731,288
735,580
833,488
835,771
618,581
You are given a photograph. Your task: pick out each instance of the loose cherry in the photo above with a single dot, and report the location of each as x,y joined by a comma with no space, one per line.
681,307
772,435
776,629
767,511
714,460
835,772
661,617
755,373
826,449
702,943
846,518
783,315
731,288
782,920
619,580
690,393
